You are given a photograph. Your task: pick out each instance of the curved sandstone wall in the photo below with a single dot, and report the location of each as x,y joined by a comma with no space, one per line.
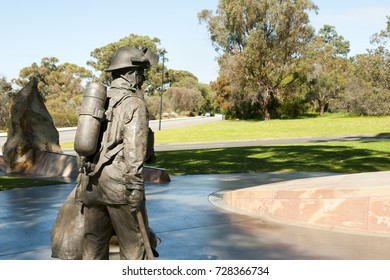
357,202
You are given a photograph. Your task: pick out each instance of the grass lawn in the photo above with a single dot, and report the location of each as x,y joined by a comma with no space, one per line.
330,125
7,182
343,157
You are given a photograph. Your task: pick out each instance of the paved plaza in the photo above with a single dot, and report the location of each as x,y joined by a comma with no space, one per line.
189,225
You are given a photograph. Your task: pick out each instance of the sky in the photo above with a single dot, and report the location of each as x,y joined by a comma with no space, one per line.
70,29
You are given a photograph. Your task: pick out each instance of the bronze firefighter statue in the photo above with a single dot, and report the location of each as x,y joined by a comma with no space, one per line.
112,146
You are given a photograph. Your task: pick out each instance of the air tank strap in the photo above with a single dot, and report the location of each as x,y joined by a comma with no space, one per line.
97,113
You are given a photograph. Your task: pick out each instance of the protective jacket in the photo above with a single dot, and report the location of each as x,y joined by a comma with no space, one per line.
122,152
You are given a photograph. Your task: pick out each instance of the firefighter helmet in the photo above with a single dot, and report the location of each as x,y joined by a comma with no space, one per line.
129,57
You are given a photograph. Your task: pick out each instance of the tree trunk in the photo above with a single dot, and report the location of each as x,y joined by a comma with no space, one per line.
321,106
264,102
322,110
266,114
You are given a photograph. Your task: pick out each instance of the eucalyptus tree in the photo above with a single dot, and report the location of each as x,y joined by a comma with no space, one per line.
328,66
372,74
374,66
260,43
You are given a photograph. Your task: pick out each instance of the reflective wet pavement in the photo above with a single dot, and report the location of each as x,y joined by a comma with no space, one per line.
189,225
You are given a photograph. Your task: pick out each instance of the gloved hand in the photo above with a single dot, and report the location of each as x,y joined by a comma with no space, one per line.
134,199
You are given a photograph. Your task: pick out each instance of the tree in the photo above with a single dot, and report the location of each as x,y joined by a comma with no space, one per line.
326,82
374,66
188,84
208,94
153,103
60,85
326,55
261,42
360,98
185,101
231,101
368,87
329,37
6,92
181,78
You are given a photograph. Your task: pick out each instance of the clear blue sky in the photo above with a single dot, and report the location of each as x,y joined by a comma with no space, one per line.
71,29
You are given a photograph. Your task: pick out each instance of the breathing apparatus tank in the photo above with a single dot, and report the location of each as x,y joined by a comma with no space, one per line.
91,114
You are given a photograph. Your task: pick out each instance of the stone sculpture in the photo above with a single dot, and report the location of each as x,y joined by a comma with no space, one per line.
31,130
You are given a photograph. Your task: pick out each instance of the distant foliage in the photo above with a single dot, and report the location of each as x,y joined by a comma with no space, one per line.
61,86
368,87
360,98
6,92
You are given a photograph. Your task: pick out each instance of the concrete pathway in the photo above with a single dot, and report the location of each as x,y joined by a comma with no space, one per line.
189,225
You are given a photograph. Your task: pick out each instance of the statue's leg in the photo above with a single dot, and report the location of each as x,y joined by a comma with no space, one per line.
129,236
98,232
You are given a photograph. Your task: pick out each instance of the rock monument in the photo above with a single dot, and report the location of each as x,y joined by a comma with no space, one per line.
30,130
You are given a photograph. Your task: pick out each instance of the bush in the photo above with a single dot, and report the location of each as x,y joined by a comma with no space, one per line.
184,99
165,115
153,103
173,115
360,98
293,108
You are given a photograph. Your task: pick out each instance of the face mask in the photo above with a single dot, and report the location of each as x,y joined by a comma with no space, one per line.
134,77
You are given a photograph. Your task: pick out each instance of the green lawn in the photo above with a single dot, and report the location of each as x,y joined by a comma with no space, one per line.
7,182
331,125
343,157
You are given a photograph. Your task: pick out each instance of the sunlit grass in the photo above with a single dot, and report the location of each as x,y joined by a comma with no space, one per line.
343,157
246,130
67,145
9,182
330,125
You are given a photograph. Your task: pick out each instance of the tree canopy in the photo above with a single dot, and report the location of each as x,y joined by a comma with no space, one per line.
62,85
327,66
260,43
273,63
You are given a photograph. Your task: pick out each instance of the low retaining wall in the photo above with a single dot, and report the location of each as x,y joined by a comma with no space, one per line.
49,164
357,202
